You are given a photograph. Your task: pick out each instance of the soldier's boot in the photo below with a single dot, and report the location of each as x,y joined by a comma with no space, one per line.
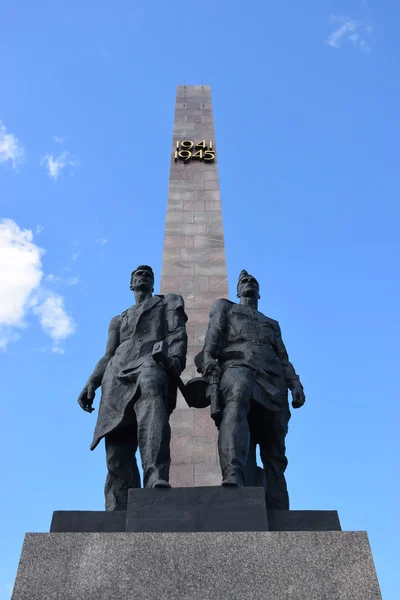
234,479
160,483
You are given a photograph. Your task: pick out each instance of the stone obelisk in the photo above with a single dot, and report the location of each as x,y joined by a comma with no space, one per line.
186,543
194,266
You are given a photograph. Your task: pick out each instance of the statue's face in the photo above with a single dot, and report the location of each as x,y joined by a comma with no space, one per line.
142,280
248,287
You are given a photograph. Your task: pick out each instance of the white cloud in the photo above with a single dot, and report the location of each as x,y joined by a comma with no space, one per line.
52,278
10,147
54,319
72,281
55,164
346,27
58,139
75,256
39,229
7,335
21,289
102,241
349,30
362,45
57,350
354,38
72,258
20,273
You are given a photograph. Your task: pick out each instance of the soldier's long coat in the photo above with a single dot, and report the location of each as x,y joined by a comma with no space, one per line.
140,327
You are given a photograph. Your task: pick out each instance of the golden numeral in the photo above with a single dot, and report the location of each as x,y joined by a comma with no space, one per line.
211,145
182,154
209,155
177,145
176,155
198,154
202,145
187,145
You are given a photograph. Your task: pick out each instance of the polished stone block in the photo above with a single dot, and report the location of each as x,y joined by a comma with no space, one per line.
81,521
303,520
196,509
326,565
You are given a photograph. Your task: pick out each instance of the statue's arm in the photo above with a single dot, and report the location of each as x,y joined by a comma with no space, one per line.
213,344
87,395
112,345
175,334
291,377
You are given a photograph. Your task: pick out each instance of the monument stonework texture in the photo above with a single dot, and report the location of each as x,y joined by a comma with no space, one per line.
194,267
199,539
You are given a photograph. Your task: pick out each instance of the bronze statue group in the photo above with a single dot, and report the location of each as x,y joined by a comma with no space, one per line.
243,354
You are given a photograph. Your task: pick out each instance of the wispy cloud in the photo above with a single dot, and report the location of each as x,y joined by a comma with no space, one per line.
57,349
68,267
54,319
22,292
52,278
102,241
55,164
346,27
72,280
58,139
349,30
59,281
10,147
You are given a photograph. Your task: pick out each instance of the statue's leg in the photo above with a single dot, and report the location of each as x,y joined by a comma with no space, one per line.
154,432
254,475
234,435
273,456
251,474
123,472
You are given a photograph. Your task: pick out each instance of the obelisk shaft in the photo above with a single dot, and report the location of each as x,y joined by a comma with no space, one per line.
194,266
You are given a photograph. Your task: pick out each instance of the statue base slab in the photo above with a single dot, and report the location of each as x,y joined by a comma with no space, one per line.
195,510
316,565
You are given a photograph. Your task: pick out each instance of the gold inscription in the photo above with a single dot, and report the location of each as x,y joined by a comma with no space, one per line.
188,150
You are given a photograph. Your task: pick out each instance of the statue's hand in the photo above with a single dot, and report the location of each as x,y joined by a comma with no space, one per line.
210,367
86,397
298,397
174,365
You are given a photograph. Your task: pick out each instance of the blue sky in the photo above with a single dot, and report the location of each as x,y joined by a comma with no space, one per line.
306,99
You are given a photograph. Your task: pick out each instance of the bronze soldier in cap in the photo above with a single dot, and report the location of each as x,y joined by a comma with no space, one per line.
138,395
245,347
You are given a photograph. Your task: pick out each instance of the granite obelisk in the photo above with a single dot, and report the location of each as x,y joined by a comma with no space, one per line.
194,266
192,542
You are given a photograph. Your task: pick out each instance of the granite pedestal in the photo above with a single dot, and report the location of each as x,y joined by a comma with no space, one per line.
197,566
176,545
